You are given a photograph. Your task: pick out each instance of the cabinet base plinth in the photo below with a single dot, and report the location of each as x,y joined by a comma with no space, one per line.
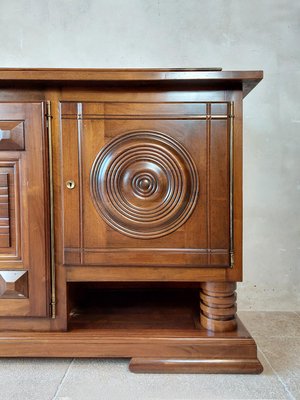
195,366
151,350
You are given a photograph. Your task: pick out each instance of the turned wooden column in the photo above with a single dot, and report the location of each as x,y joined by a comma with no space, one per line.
218,306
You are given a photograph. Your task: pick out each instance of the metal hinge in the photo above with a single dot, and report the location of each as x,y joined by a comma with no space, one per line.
231,259
52,251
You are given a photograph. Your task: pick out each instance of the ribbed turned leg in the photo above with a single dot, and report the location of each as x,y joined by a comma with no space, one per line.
218,306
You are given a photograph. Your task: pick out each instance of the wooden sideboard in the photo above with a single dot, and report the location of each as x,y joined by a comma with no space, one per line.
121,217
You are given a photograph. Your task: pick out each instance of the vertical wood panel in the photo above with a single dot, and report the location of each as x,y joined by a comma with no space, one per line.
71,198
236,273
27,209
92,142
219,184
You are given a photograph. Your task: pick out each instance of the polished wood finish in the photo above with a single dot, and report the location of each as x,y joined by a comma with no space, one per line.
144,184
128,343
4,211
195,366
24,261
107,199
13,284
160,228
239,80
12,135
157,327
141,273
218,306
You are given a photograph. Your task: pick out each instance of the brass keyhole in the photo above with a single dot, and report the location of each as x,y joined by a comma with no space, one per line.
70,184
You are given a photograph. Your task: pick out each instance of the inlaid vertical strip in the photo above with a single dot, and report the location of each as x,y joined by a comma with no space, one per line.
208,149
51,198
80,173
231,182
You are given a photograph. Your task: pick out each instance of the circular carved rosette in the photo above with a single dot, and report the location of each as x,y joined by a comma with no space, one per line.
144,184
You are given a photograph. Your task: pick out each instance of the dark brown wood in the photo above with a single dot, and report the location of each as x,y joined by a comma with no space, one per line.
4,211
242,80
13,284
142,273
153,350
12,135
141,168
183,150
24,262
195,366
218,306
236,273
157,184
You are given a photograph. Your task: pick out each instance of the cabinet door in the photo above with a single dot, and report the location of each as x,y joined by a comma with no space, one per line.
24,254
151,184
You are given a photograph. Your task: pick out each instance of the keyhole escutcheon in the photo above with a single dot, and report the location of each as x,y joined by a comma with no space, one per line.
70,184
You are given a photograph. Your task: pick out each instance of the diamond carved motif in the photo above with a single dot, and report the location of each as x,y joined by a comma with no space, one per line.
12,135
13,284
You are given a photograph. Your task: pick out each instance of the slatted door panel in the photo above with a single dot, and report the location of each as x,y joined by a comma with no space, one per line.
150,184
24,254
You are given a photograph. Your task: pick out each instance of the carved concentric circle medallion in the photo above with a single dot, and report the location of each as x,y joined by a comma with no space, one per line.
144,184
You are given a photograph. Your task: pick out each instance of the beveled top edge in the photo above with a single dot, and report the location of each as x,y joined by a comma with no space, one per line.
115,69
202,76
124,73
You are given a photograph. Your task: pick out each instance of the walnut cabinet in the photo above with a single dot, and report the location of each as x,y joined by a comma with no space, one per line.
121,217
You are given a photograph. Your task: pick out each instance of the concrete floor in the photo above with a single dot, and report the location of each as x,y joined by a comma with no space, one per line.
277,335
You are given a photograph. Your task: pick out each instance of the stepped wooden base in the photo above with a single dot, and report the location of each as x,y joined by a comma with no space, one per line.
195,366
151,350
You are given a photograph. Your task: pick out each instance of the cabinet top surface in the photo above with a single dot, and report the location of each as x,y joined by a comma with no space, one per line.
246,80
